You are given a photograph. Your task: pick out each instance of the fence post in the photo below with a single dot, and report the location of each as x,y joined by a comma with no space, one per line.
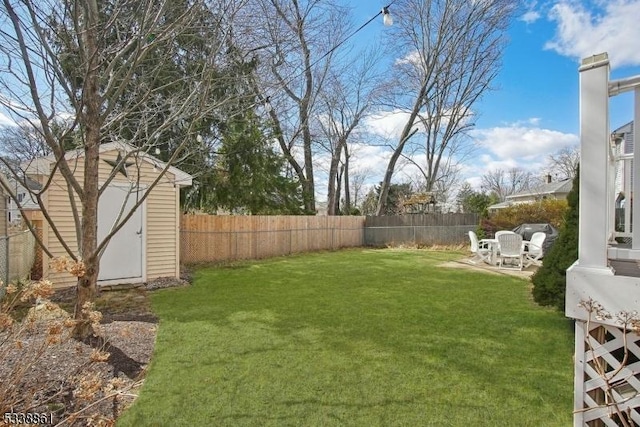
6,254
2,288
235,246
333,238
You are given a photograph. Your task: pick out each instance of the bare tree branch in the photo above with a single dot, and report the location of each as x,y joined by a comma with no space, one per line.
449,55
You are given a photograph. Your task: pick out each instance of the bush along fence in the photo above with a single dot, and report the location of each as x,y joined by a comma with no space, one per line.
213,238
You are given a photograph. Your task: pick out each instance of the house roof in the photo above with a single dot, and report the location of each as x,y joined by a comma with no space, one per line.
5,184
557,187
624,136
30,183
42,165
627,128
500,205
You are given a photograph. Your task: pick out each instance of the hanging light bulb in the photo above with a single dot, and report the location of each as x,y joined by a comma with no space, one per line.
387,20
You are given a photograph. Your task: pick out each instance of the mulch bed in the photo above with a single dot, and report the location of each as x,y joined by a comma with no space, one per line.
60,375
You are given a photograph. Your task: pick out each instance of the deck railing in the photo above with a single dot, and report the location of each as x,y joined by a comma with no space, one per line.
621,224
607,371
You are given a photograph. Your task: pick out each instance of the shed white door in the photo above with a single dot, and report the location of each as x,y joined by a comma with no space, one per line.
123,257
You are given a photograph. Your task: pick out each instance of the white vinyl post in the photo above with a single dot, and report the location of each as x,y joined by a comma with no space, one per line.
578,374
594,146
635,221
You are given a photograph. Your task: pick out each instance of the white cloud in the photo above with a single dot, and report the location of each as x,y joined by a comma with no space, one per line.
582,32
530,16
519,145
411,58
6,120
387,124
370,158
522,143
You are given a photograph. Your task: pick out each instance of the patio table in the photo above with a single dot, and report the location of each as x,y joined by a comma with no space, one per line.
493,247
492,244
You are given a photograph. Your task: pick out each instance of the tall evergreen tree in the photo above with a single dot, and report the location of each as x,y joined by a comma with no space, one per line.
247,174
550,281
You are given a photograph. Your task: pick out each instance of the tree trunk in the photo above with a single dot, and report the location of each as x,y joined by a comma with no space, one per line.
338,190
333,177
404,137
88,241
347,190
386,182
85,293
308,188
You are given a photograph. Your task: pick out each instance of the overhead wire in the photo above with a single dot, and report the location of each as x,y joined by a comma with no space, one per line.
384,10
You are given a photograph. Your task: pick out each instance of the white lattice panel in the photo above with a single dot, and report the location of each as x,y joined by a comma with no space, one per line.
607,376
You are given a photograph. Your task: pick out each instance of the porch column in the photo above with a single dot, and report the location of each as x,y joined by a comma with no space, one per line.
594,146
635,220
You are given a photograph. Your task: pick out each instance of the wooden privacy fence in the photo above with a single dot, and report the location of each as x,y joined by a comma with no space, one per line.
429,229
213,238
17,255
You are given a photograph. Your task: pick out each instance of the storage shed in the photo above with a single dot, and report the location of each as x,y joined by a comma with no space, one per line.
148,245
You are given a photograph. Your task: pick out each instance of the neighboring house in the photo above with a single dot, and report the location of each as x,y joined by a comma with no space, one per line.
622,155
27,202
603,284
622,139
4,205
557,190
148,245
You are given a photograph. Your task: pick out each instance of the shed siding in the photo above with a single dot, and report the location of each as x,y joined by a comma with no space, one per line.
161,232
161,213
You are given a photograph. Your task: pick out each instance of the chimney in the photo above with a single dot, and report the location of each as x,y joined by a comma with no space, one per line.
548,178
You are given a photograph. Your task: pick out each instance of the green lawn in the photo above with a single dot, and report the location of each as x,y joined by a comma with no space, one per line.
360,337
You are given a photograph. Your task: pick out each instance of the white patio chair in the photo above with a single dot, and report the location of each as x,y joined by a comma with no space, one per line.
501,232
480,249
511,249
533,248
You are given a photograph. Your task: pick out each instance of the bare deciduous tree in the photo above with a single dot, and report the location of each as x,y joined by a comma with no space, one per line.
21,143
295,54
349,96
71,72
564,164
357,181
450,52
505,183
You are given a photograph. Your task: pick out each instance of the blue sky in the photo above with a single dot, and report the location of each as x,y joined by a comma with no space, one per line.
534,109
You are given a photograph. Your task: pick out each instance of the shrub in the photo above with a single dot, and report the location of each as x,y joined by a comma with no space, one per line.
549,282
35,334
544,211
